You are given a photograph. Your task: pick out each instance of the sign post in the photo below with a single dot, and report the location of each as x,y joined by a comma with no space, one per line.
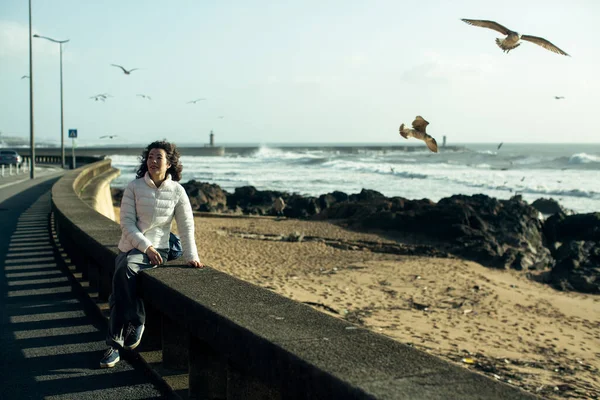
73,136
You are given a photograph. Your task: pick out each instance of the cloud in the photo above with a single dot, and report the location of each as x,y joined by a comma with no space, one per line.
302,80
14,41
443,69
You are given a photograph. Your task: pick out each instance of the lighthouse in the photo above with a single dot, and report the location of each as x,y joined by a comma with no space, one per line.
212,139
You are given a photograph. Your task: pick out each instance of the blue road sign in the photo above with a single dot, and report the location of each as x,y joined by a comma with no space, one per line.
73,133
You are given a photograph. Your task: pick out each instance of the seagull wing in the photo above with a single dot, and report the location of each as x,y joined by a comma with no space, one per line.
420,124
488,24
544,43
431,144
102,137
118,66
24,76
429,141
133,69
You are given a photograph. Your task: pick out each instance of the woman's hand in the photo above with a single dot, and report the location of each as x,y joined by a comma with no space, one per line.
196,264
154,256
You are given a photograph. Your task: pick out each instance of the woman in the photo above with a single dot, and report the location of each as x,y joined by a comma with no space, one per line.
147,209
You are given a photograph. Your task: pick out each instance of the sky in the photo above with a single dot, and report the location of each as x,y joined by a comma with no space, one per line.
302,71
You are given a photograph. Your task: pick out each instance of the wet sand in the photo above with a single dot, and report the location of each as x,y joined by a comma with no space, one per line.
495,322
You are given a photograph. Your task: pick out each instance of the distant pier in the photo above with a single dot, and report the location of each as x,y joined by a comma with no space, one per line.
218,151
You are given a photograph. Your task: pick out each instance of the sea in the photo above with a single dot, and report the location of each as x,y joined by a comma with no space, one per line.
568,173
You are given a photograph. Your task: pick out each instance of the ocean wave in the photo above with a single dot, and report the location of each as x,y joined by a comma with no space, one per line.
590,194
512,185
269,153
363,167
583,158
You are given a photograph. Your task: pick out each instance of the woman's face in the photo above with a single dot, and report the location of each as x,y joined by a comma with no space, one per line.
157,164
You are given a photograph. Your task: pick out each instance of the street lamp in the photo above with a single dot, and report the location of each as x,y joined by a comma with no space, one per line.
62,127
31,138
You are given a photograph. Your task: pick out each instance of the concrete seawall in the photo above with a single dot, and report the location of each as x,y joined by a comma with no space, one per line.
233,340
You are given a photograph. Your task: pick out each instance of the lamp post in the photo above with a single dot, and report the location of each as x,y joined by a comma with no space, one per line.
31,141
62,125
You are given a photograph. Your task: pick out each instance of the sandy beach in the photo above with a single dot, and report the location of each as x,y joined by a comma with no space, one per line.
495,322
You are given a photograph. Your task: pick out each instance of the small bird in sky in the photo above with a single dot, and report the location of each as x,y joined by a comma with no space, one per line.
559,97
143,96
108,136
124,70
195,101
101,96
511,41
418,132
25,76
221,116
500,145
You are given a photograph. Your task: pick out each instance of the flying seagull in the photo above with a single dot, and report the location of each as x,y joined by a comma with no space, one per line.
143,96
511,41
418,132
25,76
500,145
221,116
559,97
195,101
124,70
101,96
108,136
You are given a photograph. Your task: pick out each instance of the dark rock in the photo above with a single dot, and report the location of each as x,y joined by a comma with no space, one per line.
366,195
548,206
301,207
479,228
329,199
254,201
562,228
205,196
577,266
117,196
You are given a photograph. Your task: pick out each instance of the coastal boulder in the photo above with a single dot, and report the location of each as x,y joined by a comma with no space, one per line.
329,199
206,196
301,207
577,266
117,196
253,201
496,233
548,206
561,227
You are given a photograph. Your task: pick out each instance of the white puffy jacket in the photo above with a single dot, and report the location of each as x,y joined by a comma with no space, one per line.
147,213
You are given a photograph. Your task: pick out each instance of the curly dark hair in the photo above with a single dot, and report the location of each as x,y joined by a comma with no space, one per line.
172,158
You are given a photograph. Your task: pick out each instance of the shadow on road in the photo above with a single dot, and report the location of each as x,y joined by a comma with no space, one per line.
50,345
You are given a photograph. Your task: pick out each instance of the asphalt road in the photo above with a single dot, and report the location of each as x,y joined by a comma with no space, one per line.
50,343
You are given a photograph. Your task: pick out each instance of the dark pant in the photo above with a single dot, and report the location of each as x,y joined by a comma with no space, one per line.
125,306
